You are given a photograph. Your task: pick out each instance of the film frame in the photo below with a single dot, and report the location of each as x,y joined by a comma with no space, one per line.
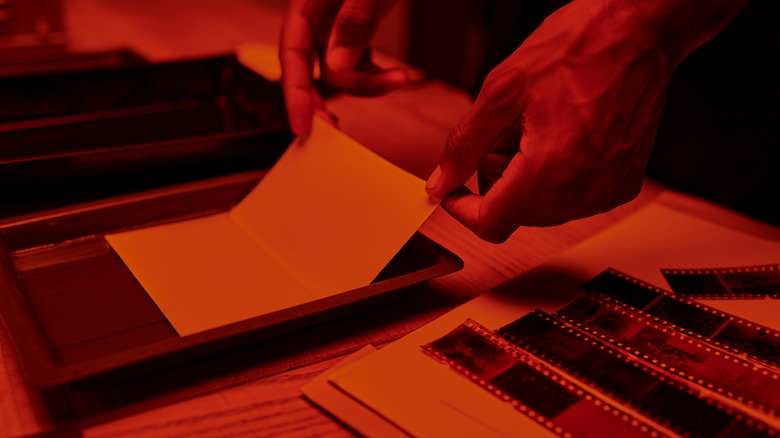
745,282
532,387
666,401
690,360
724,330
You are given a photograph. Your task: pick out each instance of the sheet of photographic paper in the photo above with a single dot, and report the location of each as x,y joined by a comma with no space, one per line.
325,219
428,398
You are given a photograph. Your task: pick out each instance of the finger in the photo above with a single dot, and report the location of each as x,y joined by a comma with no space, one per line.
471,140
366,64
367,83
352,30
492,167
491,170
466,207
296,56
501,210
488,216
533,190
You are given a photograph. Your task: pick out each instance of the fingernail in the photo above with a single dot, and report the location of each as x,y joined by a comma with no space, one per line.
434,181
340,59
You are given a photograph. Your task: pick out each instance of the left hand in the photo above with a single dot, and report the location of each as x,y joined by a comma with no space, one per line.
339,33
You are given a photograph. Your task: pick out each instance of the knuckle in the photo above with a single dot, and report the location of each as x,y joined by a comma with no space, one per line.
494,79
355,19
503,80
456,148
495,228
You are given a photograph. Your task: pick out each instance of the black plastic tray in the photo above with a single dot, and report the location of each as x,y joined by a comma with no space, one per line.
88,134
76,314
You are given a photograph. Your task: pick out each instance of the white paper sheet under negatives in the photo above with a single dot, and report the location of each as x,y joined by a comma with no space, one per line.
424,397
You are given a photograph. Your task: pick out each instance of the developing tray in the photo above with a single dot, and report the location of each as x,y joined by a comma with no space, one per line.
76,314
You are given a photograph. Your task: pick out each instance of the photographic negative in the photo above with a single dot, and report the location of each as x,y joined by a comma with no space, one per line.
693,361
624,289
472,352
757,342
538,391
724,330
747,282
664,400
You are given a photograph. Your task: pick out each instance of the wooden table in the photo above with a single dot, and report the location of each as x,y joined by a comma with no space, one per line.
256,392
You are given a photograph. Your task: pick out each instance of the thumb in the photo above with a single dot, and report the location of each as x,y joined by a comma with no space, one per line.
353,28
468,144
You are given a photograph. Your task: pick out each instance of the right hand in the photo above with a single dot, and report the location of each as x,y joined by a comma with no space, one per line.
339,33
563,128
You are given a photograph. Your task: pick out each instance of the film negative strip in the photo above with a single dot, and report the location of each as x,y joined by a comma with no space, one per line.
666,401
747,282
691,360
532,387
724,330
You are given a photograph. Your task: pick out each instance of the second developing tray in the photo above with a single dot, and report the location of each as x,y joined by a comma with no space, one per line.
87,134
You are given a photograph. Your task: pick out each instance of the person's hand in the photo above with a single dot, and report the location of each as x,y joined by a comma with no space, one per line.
563,128
338,32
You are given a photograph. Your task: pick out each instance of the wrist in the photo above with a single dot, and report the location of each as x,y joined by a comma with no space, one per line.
678,27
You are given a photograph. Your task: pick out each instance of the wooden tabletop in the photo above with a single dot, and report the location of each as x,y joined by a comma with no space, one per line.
256,391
